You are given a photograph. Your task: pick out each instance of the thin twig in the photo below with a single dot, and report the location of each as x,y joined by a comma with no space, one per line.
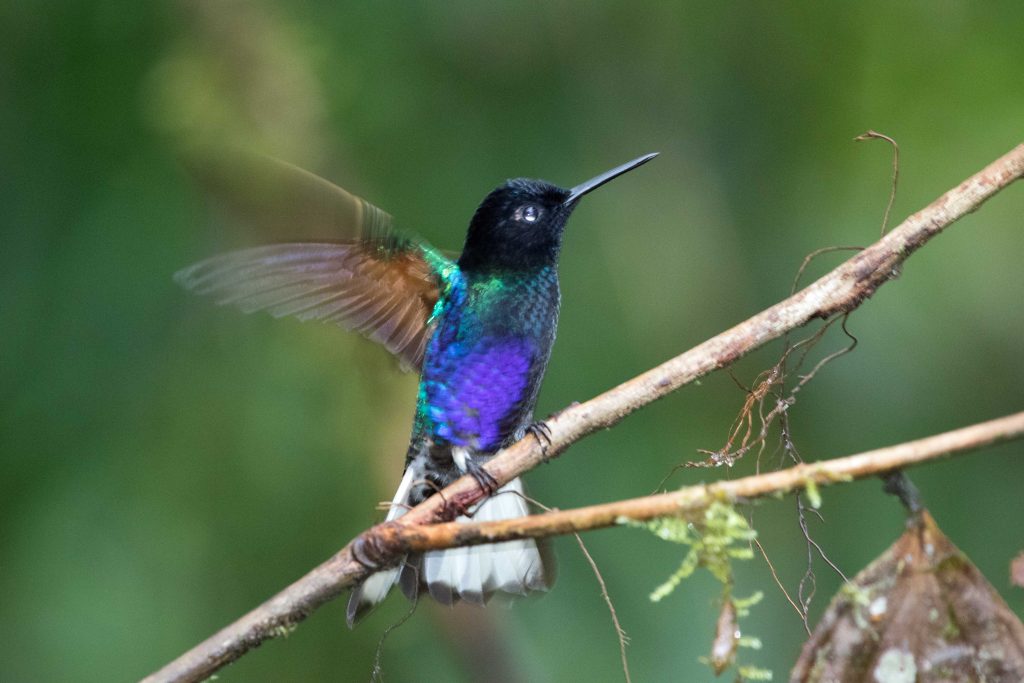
874,135
842,290
813,255
778,582
377,671
619,631
808,585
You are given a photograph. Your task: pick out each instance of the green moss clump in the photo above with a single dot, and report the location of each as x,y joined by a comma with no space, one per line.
718,537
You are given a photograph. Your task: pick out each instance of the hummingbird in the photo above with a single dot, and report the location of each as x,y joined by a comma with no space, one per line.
479,329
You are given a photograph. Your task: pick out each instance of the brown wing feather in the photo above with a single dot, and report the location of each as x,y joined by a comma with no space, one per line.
374,281
386,297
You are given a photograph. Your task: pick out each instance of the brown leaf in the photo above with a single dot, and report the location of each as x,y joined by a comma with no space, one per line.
919,613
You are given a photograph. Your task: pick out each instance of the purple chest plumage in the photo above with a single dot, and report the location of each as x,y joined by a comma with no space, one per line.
483,365
474,396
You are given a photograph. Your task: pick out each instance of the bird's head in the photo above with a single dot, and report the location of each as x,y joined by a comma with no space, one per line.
519,225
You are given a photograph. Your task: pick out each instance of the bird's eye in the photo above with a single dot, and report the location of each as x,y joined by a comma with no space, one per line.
528,213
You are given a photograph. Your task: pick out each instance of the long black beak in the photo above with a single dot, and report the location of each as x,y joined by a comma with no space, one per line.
594,183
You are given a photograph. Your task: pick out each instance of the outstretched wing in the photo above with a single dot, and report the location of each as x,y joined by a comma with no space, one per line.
388,297
377,282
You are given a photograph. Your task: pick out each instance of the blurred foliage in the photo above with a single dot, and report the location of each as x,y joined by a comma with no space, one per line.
167,464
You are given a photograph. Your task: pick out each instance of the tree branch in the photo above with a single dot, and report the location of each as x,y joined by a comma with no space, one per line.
841,290
693,499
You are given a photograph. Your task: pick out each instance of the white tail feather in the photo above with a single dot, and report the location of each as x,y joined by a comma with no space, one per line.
376,587
473,574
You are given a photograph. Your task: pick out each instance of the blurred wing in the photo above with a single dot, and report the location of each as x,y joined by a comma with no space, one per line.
385,291
374,280
278,202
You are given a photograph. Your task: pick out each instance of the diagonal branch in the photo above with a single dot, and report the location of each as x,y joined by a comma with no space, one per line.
841,290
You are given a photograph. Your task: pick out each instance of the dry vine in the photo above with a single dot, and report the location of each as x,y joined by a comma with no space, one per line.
838,292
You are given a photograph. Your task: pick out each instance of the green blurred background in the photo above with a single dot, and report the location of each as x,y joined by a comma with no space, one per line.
167,465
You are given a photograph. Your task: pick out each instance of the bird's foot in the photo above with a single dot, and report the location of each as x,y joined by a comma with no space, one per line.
368,550
542,433
488,484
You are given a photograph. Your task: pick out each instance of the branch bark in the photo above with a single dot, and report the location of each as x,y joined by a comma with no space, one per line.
841,290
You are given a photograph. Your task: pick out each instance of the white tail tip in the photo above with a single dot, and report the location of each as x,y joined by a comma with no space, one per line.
475,573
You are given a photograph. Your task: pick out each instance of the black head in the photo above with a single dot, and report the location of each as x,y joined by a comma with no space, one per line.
519,225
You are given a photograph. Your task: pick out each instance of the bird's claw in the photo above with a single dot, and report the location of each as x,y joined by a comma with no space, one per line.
488,484
367,551
542,432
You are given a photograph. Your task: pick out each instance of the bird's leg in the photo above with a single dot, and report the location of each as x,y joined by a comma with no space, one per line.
487,483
